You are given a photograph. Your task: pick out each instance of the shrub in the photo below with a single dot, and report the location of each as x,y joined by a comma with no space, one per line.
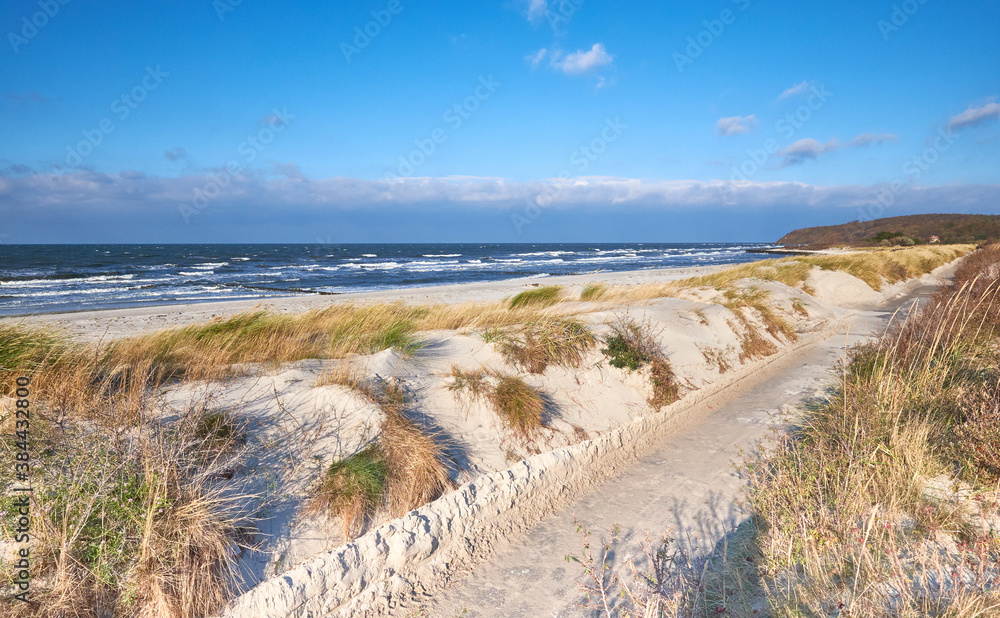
540,297
632,345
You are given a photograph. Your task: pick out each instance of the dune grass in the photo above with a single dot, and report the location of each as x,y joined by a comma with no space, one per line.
593,292
848,515
521,407
538,344
541,297
127,517
875,267
407,463
352,489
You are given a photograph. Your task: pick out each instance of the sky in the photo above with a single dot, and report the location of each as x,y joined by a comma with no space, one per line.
490,121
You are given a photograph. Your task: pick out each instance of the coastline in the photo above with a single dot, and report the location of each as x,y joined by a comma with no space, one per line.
96,324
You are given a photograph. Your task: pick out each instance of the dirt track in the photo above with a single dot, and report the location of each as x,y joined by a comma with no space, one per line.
686,485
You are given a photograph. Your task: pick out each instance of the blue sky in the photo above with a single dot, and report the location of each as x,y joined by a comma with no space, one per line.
515,120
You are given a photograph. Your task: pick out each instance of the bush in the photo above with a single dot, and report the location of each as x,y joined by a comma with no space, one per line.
632,345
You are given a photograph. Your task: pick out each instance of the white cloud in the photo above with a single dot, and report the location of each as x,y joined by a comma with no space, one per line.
871,139
536,58
808,149
800,88
736,125
583,61
283,189
974,116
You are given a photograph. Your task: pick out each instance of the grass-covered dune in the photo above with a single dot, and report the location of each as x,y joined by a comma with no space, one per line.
142,508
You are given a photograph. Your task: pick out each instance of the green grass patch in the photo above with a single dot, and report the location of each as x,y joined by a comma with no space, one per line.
541,297
352,488
593,292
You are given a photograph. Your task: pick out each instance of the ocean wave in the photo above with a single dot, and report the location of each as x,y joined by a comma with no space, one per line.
442,255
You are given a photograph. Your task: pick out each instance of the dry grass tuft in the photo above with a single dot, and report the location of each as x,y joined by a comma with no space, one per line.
521,407
549,341
541,297
417,466
352,489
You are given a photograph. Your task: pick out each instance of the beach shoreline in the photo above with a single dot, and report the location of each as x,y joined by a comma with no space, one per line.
97,324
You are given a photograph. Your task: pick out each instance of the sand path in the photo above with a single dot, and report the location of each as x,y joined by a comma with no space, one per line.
685,485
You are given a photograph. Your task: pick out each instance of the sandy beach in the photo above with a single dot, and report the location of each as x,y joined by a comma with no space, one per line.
114,323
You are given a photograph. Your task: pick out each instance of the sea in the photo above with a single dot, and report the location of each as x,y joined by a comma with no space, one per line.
63,278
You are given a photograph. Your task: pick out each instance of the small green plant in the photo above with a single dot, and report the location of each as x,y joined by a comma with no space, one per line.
632,345
542,297
593,292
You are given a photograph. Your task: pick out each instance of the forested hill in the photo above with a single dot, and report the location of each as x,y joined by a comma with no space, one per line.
908,229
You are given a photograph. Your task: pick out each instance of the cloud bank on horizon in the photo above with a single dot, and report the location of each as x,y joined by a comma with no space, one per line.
532,119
